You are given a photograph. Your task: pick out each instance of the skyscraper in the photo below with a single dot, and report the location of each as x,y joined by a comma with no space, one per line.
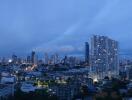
28,59
46,58
104,56
87,52
33,57
14,59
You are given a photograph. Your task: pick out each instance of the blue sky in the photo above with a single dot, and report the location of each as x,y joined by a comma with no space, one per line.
62,25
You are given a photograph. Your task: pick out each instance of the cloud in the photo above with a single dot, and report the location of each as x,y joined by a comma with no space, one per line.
59,49
62,25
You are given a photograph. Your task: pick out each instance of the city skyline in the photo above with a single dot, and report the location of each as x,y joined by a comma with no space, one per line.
56,26
65,50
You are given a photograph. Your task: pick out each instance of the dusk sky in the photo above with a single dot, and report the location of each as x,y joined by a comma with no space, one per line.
62,25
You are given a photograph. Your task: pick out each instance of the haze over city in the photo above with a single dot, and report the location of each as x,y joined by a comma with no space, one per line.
65,50
62,25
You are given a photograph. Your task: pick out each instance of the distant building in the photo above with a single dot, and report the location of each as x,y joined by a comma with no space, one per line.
129,72
46,58
28,59
87,52
14,59
33,57
8,80
72,87
104,57
19,60
27,87
67,91
55,58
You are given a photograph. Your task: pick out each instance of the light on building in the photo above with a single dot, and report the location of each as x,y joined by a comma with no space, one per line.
10,60
95,80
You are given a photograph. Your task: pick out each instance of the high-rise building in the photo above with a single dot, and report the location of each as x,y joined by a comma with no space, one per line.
104,57
33,57
87,52
28,59
46,58
14,59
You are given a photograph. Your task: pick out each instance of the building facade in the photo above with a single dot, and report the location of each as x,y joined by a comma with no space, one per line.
33,57
87,52
104,57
